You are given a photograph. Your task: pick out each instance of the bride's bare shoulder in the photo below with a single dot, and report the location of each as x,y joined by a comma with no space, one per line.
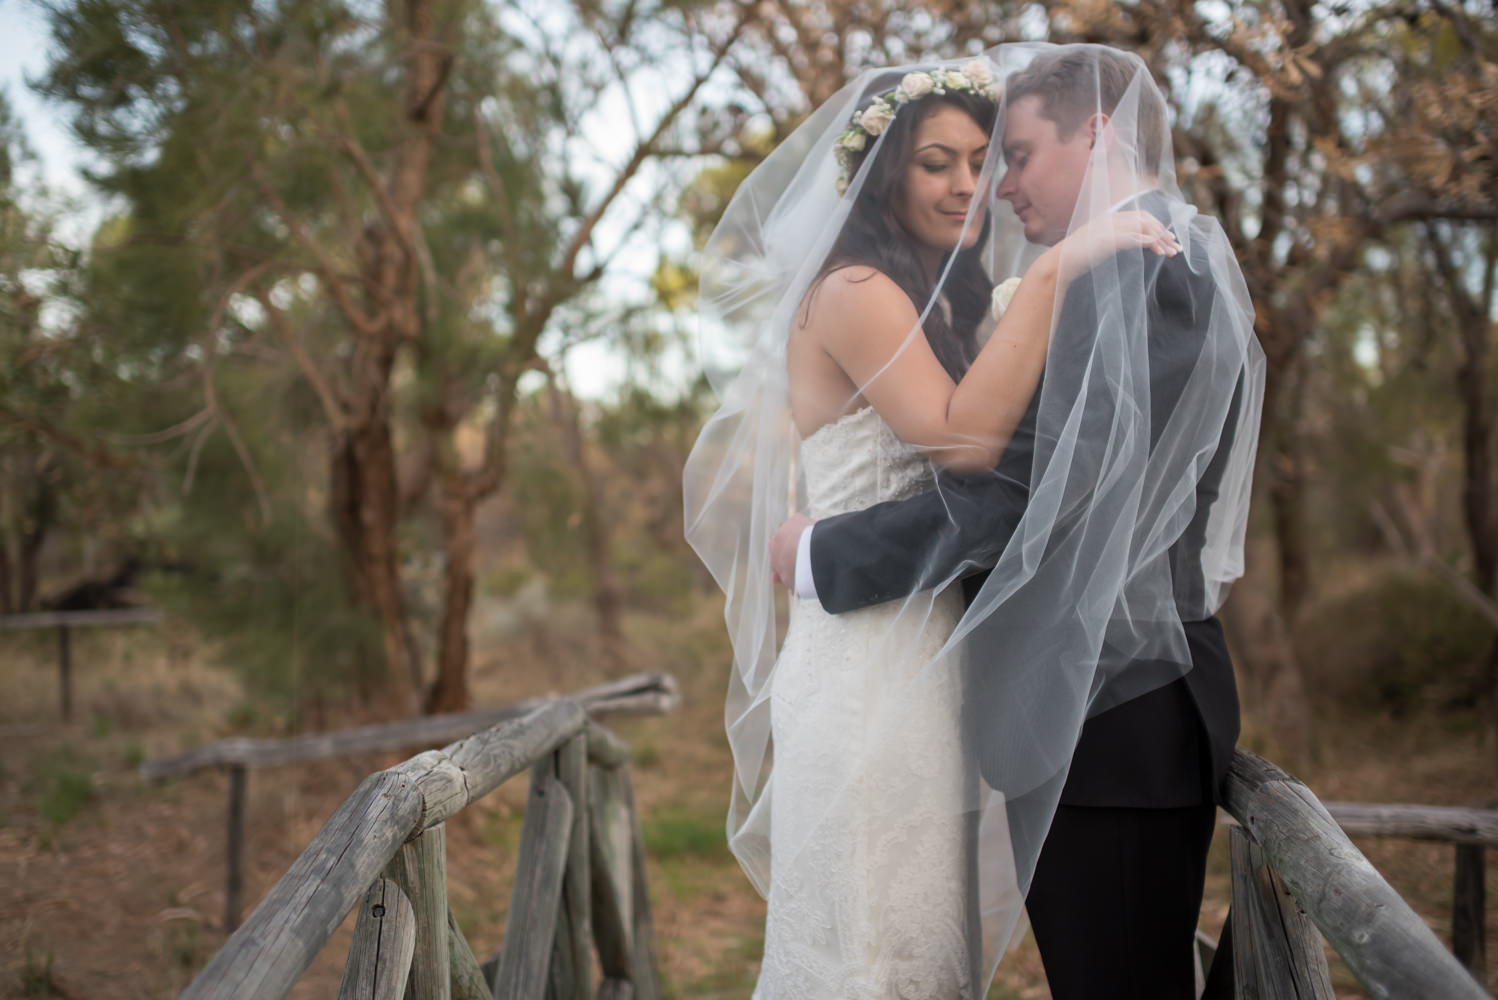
852,295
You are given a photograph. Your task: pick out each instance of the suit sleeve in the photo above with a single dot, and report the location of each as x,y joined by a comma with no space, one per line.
897,548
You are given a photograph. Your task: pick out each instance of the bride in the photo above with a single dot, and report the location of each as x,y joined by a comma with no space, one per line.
854,267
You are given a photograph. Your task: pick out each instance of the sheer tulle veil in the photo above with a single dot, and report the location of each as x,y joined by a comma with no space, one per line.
1085,588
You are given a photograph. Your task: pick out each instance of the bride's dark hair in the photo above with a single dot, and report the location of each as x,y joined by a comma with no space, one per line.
873,235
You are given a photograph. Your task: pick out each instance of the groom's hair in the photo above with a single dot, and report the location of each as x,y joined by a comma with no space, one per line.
1081,80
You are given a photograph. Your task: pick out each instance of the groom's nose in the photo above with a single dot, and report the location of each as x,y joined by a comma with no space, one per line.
1006,188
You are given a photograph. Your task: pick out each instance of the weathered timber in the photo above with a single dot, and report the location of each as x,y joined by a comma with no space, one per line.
647,981
468,977
1468,907
537,893
1444,823
576,982
420,869
1384,943
234,848
1285,946
379,958
613,884
105,616
488,759
275,945
637,695
1240,929
604,748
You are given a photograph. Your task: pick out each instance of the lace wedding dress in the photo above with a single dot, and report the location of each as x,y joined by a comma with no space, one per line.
869,884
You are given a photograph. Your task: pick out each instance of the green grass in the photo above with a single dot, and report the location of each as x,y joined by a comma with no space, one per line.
63,784
35,978
681,832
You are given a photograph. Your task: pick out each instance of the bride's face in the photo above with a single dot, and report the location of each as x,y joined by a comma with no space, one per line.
938,184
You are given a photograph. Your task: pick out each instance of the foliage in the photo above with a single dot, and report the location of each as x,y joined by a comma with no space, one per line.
1399,644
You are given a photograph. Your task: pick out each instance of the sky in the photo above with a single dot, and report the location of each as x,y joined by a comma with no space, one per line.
23,51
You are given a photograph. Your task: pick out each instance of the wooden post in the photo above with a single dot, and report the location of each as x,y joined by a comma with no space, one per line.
234,848
1468,908
609,841
1246,985
379,959
572,961
648,984
468,976
537,894
1279,941
420,869
65,672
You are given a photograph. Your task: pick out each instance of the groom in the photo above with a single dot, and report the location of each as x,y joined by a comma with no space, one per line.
1117,888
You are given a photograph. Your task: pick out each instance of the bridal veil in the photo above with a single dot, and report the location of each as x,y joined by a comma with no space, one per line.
1087,577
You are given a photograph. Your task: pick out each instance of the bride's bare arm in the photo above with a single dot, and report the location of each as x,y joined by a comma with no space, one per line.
870,328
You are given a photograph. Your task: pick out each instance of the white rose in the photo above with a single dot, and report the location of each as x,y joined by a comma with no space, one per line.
876,119
854,140
977,71
915,85
1003,294
956,81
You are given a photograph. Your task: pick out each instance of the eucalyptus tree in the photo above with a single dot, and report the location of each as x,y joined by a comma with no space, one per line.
404,204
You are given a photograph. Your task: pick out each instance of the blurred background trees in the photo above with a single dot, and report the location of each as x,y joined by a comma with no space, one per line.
330,366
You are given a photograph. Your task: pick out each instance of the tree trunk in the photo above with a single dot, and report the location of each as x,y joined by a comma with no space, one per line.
1287,482
366,505
606,598
449,691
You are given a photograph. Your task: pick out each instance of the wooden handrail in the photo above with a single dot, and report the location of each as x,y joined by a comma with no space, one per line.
1387,946
636,694
103,616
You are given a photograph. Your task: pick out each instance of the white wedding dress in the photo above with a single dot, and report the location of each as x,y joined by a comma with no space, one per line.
869,875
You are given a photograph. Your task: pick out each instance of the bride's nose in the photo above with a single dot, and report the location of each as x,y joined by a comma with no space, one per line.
964,180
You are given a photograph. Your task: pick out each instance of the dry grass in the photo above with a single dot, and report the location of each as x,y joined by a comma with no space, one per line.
115,888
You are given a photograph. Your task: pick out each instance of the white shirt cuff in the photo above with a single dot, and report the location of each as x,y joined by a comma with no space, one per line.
806,585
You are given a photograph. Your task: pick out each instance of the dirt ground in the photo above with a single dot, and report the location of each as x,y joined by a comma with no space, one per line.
113,888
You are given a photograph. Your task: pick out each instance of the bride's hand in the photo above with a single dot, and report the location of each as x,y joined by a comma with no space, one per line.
1113,232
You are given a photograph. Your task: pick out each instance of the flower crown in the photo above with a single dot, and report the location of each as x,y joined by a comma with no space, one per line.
973,76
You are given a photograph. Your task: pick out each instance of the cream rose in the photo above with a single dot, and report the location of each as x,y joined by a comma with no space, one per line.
1003,294
916,85
977,71
876,119
854,141
956,81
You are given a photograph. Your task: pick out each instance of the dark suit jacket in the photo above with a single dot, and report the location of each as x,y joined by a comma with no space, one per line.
1167,748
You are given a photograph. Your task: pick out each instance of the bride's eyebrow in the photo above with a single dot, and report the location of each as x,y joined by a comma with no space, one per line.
943,147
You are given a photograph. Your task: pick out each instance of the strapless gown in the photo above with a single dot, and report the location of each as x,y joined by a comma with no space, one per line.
869,874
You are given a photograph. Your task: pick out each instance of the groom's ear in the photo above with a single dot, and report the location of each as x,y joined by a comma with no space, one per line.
1096,124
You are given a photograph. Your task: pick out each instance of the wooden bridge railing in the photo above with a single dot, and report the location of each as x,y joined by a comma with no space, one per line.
1294,873
638,694
579,885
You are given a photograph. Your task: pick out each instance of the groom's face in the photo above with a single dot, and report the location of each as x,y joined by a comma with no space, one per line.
1042,171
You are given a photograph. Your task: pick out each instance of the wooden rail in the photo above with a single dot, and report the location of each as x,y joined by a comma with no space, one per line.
65,620
579,886
634,695
1297,878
